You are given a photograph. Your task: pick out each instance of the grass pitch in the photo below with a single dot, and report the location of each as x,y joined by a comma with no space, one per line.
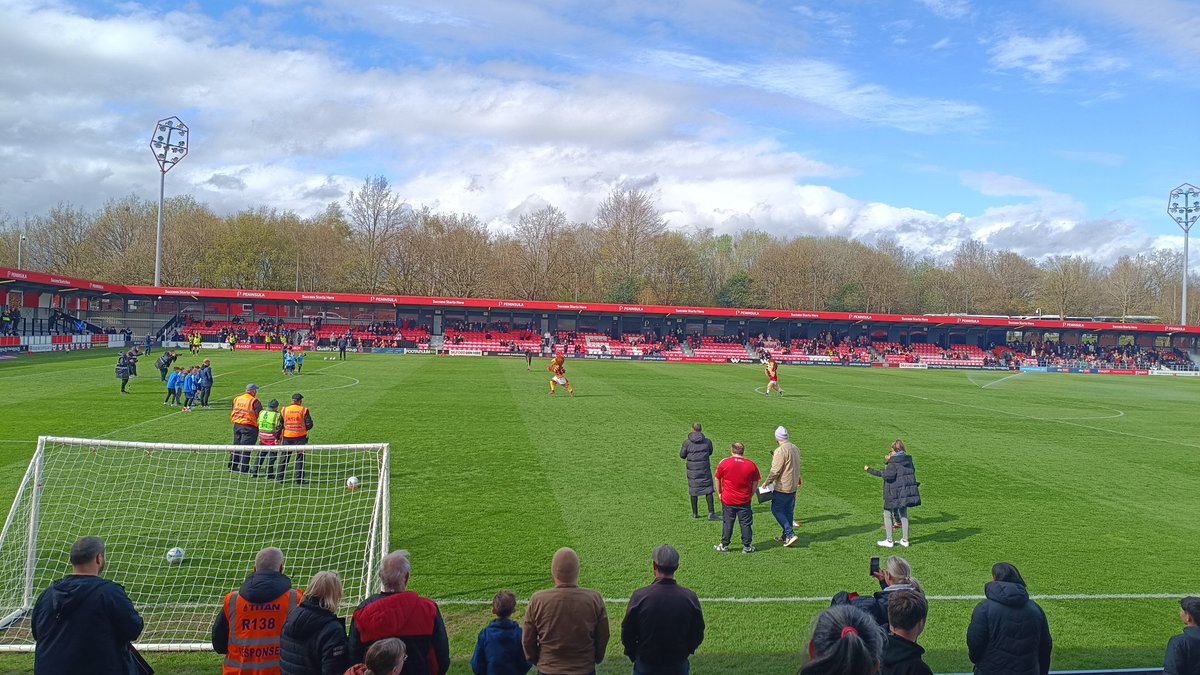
1087,484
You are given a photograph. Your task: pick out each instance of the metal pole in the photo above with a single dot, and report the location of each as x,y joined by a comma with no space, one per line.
20,245
1183,303
162,187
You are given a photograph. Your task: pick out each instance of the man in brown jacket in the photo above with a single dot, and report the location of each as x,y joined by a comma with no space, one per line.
566,627
785,478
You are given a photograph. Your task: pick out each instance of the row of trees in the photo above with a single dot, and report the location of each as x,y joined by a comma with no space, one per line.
374,242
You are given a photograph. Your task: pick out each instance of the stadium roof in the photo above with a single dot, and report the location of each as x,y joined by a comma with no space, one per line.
63,284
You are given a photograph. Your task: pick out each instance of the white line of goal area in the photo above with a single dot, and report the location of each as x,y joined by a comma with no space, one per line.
939,598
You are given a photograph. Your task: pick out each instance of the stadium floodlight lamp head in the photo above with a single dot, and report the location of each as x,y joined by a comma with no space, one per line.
169,143
1184,209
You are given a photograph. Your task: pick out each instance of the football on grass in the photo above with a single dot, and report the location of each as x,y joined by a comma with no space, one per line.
175,555
352,483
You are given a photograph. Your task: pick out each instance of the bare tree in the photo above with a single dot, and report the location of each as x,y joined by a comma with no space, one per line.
538,260
629,223
375,215
1068,285
1127,286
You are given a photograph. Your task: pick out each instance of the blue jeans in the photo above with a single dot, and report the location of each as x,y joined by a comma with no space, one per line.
783,507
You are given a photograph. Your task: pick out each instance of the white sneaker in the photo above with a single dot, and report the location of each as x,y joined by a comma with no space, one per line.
886,543
904,543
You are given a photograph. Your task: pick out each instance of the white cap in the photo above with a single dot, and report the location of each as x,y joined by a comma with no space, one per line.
781,434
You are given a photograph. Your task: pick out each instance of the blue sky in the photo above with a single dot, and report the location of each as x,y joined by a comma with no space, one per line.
1046,127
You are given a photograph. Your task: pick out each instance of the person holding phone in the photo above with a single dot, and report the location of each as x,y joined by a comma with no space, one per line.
900,491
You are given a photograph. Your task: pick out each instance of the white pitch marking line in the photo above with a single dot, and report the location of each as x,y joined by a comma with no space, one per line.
941,598
1007,377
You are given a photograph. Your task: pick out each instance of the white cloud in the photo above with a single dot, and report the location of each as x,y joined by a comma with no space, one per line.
948,9
1166,25
829,86
993,184
1049,59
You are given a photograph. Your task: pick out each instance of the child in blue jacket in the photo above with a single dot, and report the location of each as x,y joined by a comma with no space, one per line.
498,650
191,383
174,384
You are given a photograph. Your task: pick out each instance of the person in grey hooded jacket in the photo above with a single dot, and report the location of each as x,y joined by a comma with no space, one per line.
696,450
900,491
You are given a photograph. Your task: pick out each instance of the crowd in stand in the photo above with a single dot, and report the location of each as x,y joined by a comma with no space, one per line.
84,623
1093,356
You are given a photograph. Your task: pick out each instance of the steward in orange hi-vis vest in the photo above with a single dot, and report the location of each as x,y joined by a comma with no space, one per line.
254,630
244,417
297,422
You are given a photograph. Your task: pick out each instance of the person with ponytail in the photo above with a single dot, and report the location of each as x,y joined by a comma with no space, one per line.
845,641
385,657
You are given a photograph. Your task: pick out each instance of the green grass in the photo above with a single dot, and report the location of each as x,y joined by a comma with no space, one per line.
1087,484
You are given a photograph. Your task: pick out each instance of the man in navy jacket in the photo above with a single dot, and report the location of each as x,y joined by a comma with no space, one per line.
83,623
663,623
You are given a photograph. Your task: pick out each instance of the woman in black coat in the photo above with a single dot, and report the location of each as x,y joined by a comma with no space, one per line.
696,450
313,641
900,491
1008,634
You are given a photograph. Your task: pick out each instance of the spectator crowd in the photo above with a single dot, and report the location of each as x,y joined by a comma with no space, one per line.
85,623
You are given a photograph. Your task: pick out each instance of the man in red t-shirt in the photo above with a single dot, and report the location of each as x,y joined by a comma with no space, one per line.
737,477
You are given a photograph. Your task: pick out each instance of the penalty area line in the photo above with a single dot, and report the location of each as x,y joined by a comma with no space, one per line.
826,598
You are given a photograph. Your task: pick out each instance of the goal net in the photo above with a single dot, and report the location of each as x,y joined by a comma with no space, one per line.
144,499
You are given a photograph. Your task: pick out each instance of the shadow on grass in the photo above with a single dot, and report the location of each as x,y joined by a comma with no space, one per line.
948,536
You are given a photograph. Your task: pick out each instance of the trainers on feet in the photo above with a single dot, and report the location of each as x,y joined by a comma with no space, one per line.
721,548
790,542
886,543
748,549
795,523
904,543
713,516
695,516
778,539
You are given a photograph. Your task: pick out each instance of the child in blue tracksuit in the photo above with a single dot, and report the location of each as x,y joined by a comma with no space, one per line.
174,384
299,359
289,364
498,650
191,383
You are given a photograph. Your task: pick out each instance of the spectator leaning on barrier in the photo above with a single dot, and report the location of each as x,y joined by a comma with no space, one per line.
566,627
663,623
83,623
1183,651
1008,634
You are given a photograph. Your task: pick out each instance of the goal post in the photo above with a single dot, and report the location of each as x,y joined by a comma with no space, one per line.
144,499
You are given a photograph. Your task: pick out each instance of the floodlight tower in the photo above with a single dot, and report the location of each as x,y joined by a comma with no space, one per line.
1184,209
169,142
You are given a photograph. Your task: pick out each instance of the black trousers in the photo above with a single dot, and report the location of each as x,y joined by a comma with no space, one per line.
744,517
239,460
281,474
204,393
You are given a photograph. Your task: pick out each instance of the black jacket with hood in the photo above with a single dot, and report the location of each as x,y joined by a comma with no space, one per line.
696,450
313,642
257,588
1008,634
84,624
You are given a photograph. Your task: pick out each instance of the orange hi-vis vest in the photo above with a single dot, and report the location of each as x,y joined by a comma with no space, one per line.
293,421
243,411
254,631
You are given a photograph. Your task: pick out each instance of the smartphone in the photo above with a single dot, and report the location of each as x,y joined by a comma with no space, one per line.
874,566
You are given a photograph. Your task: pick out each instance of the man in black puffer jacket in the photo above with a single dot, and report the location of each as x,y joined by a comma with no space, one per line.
696,450
313,641
1008,634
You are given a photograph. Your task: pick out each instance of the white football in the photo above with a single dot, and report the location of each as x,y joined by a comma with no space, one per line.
352,483
175,555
